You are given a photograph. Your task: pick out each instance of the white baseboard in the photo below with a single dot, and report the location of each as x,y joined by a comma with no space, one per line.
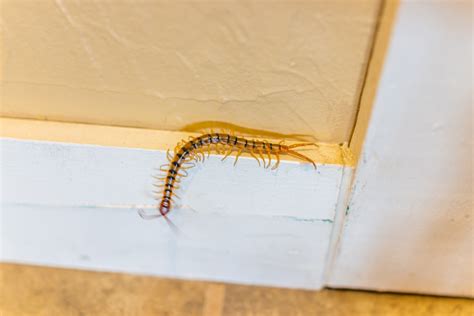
75,205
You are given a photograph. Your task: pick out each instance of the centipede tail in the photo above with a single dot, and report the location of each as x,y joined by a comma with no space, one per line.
147,216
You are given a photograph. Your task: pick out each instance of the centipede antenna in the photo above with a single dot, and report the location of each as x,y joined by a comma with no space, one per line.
303,145
303,157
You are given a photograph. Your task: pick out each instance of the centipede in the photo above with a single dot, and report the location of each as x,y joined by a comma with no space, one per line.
188,153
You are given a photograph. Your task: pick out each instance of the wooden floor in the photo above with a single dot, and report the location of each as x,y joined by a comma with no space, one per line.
28,290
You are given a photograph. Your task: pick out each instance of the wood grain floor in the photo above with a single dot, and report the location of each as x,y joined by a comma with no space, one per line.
29,290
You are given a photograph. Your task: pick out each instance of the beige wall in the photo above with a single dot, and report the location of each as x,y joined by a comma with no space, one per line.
288,67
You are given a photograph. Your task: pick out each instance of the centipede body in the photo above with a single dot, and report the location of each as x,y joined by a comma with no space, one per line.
187,153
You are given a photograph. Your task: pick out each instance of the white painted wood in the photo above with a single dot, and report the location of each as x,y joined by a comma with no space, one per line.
74,205
409,224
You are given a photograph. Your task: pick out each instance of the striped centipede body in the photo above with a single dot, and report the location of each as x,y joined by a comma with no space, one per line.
187,153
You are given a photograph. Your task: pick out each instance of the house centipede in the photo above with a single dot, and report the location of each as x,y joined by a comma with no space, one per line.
187,153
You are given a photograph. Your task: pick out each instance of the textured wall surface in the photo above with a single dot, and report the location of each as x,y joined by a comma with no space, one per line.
290,67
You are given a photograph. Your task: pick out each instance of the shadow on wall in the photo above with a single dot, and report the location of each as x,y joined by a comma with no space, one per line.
205,126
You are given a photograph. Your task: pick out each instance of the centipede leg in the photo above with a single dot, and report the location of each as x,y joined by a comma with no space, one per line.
218,150
202,154
188,165
253,155
192,157
237,156
168,155
277,157
159,178
261,156
172,199
267,148
177,196
157,185
176,148
227,154
183,174
164,167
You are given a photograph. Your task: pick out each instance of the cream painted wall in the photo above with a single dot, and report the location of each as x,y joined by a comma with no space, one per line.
289,67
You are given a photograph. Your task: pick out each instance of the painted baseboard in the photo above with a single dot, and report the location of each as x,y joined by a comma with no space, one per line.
75,205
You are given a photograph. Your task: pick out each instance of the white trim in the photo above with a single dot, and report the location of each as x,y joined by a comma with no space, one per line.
409,227
74,205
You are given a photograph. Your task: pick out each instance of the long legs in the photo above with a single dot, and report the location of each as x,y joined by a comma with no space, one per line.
188,153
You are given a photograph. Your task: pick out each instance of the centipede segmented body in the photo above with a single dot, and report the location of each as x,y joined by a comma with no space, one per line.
187,153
